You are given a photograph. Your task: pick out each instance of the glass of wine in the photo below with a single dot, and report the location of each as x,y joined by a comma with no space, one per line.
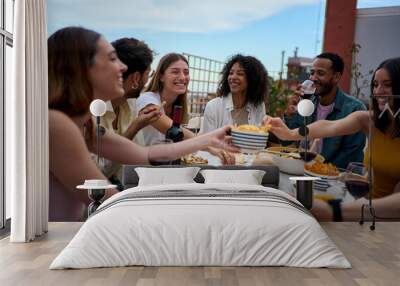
356,179
160,161
308,89
194,123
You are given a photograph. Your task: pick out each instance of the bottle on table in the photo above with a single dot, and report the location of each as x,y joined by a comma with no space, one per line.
175,132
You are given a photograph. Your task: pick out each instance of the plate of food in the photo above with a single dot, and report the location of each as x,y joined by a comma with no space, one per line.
194,160
323,170
290,160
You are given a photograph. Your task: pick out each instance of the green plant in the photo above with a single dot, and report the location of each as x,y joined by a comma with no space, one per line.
360,80
277,95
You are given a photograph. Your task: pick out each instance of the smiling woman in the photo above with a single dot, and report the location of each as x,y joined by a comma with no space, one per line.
83,66
242,92
169,84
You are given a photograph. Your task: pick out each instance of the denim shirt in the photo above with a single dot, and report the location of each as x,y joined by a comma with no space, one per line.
338,150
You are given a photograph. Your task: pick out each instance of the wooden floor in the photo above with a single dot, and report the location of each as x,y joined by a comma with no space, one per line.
374,255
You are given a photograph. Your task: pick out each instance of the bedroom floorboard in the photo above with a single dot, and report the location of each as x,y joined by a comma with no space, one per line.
374,255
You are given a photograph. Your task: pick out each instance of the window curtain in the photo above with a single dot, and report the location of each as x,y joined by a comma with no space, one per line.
27,170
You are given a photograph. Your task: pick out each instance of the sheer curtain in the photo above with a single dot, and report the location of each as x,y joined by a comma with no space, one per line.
27,124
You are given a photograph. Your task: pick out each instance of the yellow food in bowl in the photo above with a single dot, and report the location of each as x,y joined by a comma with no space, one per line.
252,128
322,169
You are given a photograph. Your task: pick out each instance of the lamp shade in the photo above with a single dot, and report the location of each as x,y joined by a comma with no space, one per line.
305,107
98,107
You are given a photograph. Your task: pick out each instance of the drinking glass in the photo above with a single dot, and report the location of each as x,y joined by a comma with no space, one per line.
356,179
308,89
194,123
160,161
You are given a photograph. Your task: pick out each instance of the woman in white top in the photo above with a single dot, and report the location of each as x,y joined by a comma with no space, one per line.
169,84
241,94
83,66
168,87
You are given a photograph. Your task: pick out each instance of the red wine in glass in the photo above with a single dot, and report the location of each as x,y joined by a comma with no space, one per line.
160,161
356,179
307,95
308,89
357,188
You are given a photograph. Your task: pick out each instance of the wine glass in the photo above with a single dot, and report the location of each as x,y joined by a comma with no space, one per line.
194,123
308,89
159,160
356,179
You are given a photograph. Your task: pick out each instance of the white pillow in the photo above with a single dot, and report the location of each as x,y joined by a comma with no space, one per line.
166,176
249,177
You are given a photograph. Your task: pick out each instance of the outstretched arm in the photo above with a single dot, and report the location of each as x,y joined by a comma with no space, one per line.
351,211
121,150
356,121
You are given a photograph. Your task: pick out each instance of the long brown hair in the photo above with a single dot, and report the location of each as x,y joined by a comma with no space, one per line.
71,53
392,66
156,85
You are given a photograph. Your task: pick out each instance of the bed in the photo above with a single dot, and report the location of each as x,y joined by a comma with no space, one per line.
201,224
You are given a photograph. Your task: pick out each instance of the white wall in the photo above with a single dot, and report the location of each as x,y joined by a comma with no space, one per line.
378,33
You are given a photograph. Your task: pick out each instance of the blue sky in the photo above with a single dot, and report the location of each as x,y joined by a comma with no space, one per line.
208,28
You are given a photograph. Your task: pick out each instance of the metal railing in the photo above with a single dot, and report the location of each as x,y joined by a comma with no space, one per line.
204,78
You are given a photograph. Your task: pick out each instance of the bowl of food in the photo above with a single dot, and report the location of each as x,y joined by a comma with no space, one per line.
250,137
290,160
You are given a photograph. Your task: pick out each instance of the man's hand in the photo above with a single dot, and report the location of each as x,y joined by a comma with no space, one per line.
293,100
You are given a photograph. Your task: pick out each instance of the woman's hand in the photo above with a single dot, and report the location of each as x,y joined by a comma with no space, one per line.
221,139
322,210
226,158
279,128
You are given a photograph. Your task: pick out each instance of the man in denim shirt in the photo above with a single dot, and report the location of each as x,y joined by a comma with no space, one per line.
331,103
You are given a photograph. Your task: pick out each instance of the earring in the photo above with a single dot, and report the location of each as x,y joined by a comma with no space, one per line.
135,86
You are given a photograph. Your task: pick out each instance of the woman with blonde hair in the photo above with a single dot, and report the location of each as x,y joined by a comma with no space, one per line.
83,66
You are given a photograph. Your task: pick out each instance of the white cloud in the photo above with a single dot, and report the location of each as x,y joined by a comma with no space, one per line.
166,16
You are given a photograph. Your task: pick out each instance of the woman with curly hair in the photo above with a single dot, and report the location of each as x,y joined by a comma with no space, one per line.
241,94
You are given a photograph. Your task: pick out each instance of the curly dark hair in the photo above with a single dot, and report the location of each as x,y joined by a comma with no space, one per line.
256,75
392,66
134,53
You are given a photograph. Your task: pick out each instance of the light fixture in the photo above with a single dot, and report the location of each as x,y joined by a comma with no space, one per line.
305,108
304,185
98,108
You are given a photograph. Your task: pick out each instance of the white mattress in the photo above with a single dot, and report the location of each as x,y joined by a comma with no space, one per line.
186,230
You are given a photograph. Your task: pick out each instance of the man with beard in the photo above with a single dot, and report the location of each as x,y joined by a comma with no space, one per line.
121,116
331,103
